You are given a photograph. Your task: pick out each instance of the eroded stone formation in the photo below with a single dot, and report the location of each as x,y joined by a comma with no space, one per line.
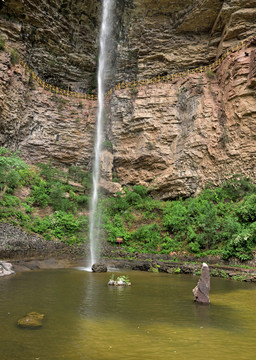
202,289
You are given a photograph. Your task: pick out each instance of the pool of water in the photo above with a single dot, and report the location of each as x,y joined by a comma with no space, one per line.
155,318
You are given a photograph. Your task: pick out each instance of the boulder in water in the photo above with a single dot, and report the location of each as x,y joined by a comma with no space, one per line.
202,289
99,268
32,320
6,269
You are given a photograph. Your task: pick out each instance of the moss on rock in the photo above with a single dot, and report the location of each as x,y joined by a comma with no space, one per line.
32,320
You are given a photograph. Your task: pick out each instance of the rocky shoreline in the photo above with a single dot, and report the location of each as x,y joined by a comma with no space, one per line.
31,252
170,267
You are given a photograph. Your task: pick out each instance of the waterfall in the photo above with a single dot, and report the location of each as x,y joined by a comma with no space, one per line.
103,68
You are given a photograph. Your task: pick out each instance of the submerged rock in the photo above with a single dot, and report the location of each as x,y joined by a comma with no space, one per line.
6,269
99,268
32,320
202,289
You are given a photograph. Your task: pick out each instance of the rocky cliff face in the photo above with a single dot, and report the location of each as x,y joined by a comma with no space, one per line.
40,124
172,137
160,36
57,38
177,138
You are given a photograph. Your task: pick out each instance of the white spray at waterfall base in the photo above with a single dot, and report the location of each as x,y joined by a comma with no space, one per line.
105,38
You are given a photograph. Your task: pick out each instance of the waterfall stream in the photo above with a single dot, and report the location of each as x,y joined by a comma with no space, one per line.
103,67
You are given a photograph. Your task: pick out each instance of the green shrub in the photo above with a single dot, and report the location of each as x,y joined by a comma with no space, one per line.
115,228
10,167
40,194
107,145
76,173
148,236
141,190
9,201
237,187
169,245
115,205
246,210
14,57
82,200
241,245
61,225
176,216
133,198
28,177
57,198
48,172
2,43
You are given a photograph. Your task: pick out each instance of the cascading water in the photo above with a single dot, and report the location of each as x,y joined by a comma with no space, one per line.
103,67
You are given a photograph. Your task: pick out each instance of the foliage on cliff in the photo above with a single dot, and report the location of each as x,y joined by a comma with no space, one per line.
54,203
43,199
221,220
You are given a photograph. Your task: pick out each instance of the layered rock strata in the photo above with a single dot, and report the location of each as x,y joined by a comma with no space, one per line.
57,38
40,124
176,138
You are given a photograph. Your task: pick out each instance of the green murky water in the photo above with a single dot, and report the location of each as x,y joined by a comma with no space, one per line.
153,319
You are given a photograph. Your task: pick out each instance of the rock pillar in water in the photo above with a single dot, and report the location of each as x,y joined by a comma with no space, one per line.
202,289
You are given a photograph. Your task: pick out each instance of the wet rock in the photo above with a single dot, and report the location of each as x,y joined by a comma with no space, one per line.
99,268
6,269
120,281
141,266
201,291
112,282
32,320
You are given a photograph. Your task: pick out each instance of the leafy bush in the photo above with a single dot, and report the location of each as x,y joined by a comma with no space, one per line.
133,198
141,190
115,205
14,57
10,166
220,220
148,237
107,145
60,225
246,210
169,244
237,187
76,173
241,245
49,173
176,216
115,228
2,43
40,193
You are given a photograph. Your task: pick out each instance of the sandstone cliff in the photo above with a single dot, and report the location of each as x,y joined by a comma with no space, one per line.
177,138
172,137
